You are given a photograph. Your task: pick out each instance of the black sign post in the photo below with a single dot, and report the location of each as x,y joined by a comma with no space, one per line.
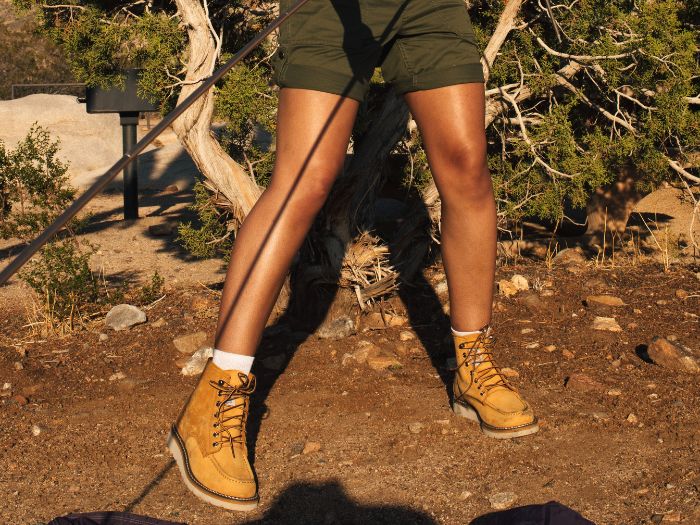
128,104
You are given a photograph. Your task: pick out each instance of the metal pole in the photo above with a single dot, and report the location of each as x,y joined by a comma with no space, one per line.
129,121
129,157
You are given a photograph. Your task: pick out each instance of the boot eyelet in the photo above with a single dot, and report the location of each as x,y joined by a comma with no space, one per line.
216,414
215,434
215,444
218,403
216,425
220,382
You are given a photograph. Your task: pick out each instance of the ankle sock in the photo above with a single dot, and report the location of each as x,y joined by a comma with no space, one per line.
230,361
462,334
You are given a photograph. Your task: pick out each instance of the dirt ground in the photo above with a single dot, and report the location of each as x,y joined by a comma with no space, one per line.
619,443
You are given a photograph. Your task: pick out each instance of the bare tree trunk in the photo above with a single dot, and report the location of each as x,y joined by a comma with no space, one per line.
193,128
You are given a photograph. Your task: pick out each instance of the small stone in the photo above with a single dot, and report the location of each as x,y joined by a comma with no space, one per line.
196,363
569,256
158,323
18,365
441,288
365,350
568,354
549,348
527,331
117,376
606,300
465,495
200,303
375,320
507,288
274,362
383,362
608,324
509,372
310,447
614,392
632,419
532,302
520,282
632,326
161,230
637,311
124,316
672,517
584,383
672,337
338,328
532,346
36,430
672,355
405,335
601,416
682,294
103,337
547,293
190,343
502,500
19,400
415,428
7,386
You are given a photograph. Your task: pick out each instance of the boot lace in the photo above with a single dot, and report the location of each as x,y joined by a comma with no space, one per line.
478,355
232,410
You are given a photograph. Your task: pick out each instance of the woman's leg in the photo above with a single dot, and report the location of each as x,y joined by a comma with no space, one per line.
451,122
313,130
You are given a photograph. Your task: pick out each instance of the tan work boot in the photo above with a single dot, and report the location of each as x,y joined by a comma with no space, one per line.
482,393
208,441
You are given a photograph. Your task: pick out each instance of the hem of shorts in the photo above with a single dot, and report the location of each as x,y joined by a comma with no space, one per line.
437,78
324,80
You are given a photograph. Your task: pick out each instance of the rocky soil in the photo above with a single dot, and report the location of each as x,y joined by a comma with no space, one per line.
355,426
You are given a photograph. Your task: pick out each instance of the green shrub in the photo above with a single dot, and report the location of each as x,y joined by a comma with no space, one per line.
209,238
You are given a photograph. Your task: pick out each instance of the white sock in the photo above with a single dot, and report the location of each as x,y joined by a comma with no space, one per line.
462,334
230,361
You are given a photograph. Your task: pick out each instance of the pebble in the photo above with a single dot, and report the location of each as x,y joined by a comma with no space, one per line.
20,400
601,416
606,300
124,316
568,354
614,392
415,428
547,293
365,350
520,282
196,363
375,321
531,346
6,386
632,419
405,335
159,322
672,355
200,302
383,362
502,500
18,365
672,517
532,302
584,383
507,288
441,288
310,447
103,337
549,348
464,495
527,330
190,343
36,430
117,376
338,328
608,324
682,294
509,372
569,256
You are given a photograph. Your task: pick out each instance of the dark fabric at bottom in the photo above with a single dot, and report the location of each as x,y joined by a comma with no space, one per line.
109,518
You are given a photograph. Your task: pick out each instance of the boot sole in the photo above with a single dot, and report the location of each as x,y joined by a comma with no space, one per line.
471,414
177,449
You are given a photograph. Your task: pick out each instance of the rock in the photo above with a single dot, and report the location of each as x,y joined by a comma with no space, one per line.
520,282
274,362
196,363
7,386
124,316
310,447
614,392
162,229
465,495
682,294
338,328
19,400
502,500
606,300
608,324
375,321
569,256
549,348
507,288
584,383
190,343
672,517
547,293
532,302
568,354
632,419
600,416
103,337
383,362
527,330
415,428
509,372
17,365
200,303
441,288
36,430
532,346
158,323
405,335
365,350
676,209
169,189
672,355
117,376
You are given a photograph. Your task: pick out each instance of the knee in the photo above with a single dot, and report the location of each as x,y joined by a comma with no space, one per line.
465,173
306,193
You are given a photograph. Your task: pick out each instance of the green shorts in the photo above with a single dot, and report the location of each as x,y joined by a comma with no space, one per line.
335,45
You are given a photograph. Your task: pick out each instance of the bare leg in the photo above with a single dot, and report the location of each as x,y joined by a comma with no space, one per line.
313,131
451,121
